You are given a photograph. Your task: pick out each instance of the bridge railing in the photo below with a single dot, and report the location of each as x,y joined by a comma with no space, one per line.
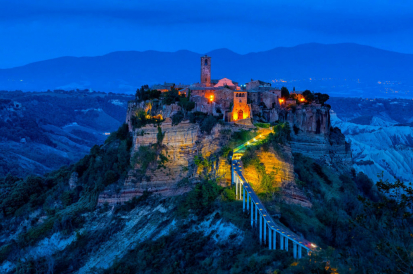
259,214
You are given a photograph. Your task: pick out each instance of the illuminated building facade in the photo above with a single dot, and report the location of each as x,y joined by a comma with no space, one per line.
241,109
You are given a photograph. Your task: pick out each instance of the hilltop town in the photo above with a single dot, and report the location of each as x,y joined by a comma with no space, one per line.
189,122
230,101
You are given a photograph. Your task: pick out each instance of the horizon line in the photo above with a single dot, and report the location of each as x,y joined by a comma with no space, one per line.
242,54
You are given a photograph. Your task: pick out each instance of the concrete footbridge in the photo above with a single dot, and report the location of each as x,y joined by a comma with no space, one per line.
278,235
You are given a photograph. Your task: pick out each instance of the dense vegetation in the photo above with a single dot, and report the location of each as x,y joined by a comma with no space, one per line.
361,227
51,196
352,220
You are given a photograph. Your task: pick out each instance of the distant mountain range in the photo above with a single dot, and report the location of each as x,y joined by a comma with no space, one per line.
338,68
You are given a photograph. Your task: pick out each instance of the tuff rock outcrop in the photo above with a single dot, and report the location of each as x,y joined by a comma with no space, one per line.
313,136
279,164
180,144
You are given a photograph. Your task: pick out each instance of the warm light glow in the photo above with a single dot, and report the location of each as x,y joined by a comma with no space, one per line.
211,98
281,101
159,117
302,100
313,245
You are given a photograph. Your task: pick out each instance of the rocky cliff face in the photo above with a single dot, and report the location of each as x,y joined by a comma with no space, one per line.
181,143
280,164
313,136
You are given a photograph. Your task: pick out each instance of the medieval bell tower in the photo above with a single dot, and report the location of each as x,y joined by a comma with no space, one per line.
206,70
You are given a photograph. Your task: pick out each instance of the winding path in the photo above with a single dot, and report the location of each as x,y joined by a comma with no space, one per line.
276,232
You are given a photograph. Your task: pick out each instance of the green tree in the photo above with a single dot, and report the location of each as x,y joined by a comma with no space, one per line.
308,96
389,225
177,118
285,94
170,97
110,177
208,124
322,98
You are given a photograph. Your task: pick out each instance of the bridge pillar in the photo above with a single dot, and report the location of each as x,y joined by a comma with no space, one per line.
260,224
248,199
237,196
256,215
236,186
265,229
252,213
269,238
295,250
281,242
243,199
299,252
232,172
241,188
275,239
286,243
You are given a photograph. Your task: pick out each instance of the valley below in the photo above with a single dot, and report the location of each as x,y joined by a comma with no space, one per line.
381,135
42,131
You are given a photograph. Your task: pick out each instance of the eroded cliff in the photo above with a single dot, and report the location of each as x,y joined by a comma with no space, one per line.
313,136
179,146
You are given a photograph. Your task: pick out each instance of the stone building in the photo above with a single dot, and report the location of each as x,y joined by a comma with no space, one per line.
241,109
256,84
206,71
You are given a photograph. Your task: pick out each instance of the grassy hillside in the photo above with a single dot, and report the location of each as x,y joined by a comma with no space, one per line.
49,227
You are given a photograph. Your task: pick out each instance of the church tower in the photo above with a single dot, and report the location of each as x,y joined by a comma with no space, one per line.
206,70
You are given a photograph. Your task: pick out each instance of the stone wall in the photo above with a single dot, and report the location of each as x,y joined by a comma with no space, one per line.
270,99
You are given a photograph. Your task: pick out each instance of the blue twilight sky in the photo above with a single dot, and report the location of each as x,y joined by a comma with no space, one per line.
33,30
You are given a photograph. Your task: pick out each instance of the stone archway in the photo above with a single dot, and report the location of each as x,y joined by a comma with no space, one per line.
240,114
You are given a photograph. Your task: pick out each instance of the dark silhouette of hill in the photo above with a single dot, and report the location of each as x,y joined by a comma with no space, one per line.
125,71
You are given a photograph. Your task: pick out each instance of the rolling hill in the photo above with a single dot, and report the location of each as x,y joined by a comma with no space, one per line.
339,69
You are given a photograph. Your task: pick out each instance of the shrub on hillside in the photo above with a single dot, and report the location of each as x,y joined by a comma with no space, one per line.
177,118
144,156
208,124
262,125
200,199
282,133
